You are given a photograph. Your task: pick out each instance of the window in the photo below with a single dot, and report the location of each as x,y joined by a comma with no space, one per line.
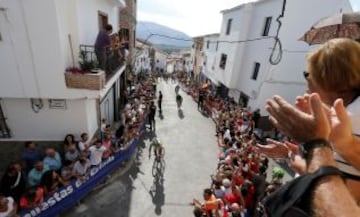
217,45
223,61
228,27
243,100
256,71
207,44
267,26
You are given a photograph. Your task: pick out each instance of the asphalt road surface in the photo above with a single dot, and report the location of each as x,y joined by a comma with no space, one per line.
167,188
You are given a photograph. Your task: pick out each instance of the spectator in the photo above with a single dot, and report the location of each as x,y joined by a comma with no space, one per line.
152,112
198,212
219,190
34,176
333,72
30,156
81,168
69,141
201,100
330,197
51,182
211,203
67,171
160,101
96,153
107,143
32,198
102,45
84,142
13,182
103,126
8,207
255,117
52,159
72,154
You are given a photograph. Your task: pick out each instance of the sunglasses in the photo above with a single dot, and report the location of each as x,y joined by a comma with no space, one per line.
306,75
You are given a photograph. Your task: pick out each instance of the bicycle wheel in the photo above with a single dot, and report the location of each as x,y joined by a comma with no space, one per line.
154,170
162,166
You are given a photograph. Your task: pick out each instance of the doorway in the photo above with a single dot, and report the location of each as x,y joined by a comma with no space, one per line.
103,19
243,100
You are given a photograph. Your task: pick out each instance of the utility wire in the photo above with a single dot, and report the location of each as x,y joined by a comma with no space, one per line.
274,60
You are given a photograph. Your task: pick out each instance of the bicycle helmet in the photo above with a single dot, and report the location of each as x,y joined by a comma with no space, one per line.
156,140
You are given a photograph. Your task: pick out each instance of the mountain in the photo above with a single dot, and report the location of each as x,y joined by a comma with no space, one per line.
144,29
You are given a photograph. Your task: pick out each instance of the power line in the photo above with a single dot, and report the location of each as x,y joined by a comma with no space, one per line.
272,59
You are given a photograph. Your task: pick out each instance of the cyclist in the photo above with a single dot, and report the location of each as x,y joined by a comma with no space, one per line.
177,88
158,148
179,100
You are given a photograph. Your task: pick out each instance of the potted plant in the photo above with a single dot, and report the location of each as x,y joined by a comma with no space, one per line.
87,64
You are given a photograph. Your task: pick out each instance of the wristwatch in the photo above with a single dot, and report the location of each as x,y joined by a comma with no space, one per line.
306,147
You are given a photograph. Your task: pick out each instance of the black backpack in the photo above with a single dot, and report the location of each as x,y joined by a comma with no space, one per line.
294,198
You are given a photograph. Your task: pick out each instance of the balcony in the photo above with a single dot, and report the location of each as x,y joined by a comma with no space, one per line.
89,75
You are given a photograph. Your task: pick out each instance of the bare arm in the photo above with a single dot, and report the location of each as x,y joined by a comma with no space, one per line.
331,196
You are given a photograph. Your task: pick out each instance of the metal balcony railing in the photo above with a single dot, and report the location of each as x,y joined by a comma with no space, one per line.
111,60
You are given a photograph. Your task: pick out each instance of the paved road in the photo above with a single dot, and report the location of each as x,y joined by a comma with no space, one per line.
190,158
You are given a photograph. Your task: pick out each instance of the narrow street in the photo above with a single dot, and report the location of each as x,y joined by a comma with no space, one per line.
190,158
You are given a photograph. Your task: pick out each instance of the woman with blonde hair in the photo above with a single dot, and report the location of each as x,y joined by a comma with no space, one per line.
333,71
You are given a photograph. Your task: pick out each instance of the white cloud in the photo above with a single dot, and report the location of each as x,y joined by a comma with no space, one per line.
194,17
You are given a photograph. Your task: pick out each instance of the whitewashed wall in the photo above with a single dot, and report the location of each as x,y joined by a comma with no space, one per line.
248,23
49,124
35,49
160,60
210,55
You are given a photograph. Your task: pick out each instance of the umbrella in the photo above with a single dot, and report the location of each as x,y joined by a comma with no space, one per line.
342,25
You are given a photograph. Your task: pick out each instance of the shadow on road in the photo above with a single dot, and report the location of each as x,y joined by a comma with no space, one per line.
181,114
161,116
113,200
157,189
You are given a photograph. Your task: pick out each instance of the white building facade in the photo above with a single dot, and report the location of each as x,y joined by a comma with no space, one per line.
39,40
160,61
187,61
243,64
142,57
210,48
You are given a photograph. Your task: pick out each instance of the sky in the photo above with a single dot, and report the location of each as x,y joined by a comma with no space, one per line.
193,17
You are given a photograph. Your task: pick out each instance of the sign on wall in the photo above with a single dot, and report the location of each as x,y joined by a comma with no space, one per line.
57,103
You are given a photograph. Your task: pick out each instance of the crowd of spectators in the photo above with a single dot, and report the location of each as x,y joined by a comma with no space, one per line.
39,174
239,182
